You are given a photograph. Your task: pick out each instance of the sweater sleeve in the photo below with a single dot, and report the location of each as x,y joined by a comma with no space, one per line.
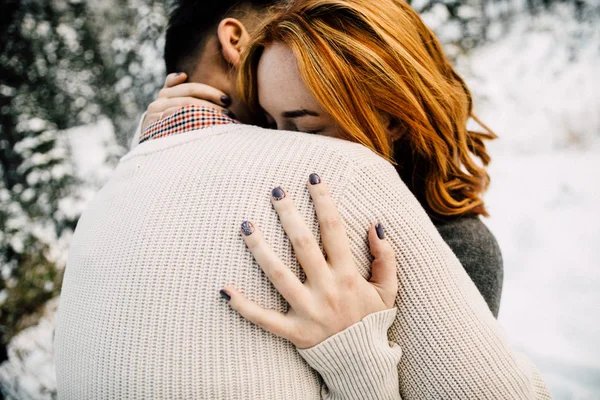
478,252
358,362
452,346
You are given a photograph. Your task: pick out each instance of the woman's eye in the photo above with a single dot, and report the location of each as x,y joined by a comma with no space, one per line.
315,131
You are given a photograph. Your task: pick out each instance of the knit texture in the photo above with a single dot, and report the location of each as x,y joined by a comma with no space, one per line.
471,241
359,362
478,252
140,315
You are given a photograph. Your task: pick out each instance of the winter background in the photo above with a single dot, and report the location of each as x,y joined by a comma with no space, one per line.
75,75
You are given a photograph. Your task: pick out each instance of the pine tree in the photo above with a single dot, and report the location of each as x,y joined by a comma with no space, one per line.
59,68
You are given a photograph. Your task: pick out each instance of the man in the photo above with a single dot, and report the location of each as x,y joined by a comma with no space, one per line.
140,313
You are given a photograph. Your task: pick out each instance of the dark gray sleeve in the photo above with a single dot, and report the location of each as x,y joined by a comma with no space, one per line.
478,251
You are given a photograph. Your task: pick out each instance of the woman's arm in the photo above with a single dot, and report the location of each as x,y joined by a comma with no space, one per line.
360,363
452,345
478,252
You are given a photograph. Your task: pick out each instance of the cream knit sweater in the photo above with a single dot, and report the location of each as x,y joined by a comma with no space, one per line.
140,316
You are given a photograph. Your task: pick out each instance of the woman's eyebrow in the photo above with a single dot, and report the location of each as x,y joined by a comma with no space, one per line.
299,113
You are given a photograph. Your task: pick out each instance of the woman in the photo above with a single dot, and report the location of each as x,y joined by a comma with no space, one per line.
371,72
388,86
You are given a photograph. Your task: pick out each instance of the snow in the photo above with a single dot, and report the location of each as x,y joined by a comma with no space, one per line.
543,209
543,101
90,147
542,98
30,373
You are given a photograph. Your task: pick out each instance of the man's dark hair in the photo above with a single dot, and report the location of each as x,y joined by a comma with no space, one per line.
190,23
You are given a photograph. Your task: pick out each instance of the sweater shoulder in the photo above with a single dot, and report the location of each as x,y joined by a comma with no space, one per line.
280,142
353,152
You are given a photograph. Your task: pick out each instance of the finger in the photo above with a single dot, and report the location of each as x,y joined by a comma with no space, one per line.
197,90
175,78
170,111
153,118
333,234
270,320
305,246
284,280
161,110
160,105
383,268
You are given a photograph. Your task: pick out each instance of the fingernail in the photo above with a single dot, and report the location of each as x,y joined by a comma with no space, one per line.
225,295
278,193
247,228
229,114
379,230
179,73
314,179
226,100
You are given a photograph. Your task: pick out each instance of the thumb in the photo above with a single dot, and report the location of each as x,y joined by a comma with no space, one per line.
383,269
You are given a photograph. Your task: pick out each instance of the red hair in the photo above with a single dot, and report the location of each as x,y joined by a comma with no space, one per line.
362,59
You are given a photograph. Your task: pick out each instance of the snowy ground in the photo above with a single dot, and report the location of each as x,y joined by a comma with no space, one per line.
544,213
544,103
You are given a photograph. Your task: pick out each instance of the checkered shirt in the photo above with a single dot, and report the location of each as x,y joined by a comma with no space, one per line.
187,118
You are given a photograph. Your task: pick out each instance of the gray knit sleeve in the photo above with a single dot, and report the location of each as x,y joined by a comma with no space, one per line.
477,250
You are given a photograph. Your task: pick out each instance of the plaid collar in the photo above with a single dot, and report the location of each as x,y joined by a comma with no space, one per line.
187,118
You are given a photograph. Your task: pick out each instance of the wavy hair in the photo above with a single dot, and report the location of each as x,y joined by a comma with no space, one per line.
365,59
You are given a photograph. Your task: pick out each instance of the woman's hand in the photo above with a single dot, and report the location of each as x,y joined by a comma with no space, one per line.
334,295
176,94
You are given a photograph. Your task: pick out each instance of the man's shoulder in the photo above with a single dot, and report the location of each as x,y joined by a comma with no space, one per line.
352,152
278,144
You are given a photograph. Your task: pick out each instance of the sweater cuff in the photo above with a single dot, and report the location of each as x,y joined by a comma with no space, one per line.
359,362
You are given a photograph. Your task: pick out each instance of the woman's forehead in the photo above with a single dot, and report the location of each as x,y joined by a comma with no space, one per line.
280,84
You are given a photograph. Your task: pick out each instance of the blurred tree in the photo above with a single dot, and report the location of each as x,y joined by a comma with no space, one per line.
60,67
460,24
463,25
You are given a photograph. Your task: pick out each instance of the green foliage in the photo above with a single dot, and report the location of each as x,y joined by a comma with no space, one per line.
60,67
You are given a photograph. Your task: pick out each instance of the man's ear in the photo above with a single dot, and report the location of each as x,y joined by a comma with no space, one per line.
395,127
233,37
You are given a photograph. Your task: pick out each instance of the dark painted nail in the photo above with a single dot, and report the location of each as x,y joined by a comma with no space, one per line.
314,179
229,114
379,230
226,100
179,73
225,295
247,228
278,193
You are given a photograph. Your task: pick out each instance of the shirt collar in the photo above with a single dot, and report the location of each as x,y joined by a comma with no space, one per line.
187,118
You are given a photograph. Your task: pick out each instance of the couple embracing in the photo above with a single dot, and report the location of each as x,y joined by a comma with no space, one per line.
340,256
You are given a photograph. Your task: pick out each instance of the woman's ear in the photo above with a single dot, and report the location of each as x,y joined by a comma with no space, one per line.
233,38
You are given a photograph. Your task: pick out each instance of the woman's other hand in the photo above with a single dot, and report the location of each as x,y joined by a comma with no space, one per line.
177,93
334,295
